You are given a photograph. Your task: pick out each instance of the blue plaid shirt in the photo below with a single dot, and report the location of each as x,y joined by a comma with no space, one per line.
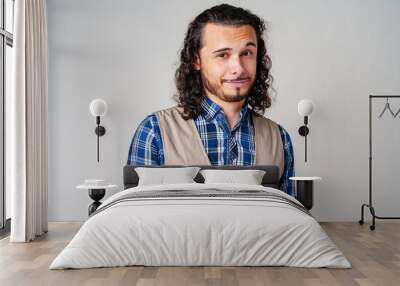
224,146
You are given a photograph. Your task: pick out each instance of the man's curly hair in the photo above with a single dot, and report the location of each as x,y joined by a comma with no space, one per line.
188,81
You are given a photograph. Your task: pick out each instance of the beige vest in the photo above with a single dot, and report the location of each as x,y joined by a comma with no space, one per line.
183,146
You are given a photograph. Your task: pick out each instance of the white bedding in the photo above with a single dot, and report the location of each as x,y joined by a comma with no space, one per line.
200,231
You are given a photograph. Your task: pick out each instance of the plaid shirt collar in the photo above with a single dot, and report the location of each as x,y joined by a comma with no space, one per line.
210,110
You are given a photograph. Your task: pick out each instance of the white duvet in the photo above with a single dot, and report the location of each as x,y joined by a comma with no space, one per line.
200,231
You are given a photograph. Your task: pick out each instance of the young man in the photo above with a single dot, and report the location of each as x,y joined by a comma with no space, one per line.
223,84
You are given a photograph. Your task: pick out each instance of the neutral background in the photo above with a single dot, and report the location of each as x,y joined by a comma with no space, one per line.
335,53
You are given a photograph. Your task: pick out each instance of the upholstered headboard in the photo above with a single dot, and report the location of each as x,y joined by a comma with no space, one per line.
270,179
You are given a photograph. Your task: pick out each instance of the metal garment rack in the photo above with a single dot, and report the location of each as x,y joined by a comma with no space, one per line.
369,205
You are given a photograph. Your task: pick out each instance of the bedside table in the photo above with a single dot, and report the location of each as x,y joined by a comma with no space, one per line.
96,191
304,190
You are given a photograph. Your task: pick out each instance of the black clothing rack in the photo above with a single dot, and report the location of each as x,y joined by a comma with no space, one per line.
369,205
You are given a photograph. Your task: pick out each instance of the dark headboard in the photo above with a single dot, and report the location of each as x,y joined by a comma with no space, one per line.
270,179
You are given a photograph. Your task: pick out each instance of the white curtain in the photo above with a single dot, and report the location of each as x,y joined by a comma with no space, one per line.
28,122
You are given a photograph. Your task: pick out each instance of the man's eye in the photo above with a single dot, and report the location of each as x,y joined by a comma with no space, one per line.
223,55
247,53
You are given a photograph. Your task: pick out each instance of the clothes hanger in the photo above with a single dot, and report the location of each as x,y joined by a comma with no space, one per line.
398,111
387,106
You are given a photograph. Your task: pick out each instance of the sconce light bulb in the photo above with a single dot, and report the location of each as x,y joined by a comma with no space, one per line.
98,107
305,107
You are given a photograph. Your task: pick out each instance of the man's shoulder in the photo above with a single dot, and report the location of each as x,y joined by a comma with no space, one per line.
153,117
156,118
174,111
169,110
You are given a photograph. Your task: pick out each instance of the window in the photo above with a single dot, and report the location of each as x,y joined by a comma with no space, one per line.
6,44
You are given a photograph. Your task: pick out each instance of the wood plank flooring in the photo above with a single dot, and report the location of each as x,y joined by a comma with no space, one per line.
375,257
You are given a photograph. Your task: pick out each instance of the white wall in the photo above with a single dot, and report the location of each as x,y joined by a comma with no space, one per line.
335,53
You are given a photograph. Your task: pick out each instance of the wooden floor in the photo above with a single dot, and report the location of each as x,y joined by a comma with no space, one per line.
375,256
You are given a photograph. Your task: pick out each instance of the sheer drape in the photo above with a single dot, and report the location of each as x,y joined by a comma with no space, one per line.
28,121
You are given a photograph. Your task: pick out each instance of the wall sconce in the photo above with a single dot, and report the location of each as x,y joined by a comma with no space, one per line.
98,107
305,108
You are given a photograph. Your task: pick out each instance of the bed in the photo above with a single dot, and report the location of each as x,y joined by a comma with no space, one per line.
201,224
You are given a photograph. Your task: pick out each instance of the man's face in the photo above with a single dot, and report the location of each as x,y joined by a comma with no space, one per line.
228,61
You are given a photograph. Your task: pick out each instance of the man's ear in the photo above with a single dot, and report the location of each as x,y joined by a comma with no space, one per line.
196,62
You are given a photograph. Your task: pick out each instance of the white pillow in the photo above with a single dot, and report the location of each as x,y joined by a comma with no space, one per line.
162,176
249,177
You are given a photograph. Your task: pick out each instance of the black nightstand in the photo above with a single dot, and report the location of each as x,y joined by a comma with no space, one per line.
96,193
304,190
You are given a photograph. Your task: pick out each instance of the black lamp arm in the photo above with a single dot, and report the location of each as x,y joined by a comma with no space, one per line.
100,131
303,131
305,120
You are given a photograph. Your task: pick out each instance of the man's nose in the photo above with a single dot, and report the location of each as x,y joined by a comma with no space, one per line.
235,65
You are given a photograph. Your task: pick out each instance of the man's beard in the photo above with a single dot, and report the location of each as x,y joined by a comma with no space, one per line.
215,90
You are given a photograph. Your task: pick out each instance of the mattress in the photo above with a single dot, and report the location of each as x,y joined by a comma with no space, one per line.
201,225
